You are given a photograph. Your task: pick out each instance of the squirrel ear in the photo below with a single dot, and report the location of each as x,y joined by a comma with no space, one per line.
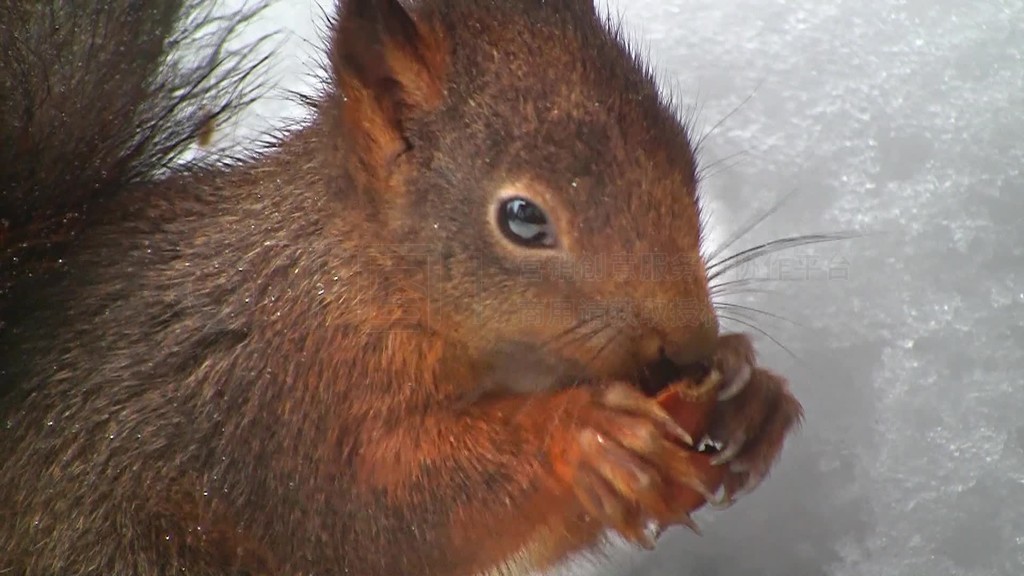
388,68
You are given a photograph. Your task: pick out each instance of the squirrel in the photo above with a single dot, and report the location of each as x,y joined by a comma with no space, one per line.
410,337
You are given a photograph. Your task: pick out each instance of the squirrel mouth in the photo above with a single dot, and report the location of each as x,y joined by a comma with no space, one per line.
683,392
656,376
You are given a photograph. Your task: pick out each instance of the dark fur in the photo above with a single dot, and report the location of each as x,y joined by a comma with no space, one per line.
211,375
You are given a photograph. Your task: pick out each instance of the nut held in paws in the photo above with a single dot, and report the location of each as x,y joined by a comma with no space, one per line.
691,404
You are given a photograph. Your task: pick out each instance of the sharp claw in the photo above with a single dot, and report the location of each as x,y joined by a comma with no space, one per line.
655,530
677,431
672,427
721,502
644,406
689,522
724,504
718,500
642,537
731,450
753,481
736,384
698,487
722,499
711,380
669,424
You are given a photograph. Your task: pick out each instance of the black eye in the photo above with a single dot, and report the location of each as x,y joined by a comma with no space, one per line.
524,223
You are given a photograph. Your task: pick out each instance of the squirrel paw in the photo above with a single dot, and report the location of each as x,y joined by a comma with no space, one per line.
754,414
622,454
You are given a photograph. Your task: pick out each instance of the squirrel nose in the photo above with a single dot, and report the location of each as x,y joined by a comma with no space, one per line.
694,345
684,346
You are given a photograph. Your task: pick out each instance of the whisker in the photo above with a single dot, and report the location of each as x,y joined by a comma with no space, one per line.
748,226
761,250
761,331
739,281
741,292
740,307
590,362
582,336
738,317
707,133
594,334
572,328
722,165
722,287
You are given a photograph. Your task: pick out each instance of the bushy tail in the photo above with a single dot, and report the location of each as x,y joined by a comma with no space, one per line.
99,94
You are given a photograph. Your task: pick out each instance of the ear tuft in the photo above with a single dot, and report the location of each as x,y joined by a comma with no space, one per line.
388,69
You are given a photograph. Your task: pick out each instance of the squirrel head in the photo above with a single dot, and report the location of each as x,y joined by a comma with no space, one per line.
529,151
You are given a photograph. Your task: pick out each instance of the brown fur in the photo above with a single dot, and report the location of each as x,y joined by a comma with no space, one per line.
317,361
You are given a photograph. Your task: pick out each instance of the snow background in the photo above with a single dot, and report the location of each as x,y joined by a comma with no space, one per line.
900,119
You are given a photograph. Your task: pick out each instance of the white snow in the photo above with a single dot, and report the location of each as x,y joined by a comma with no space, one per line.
903,120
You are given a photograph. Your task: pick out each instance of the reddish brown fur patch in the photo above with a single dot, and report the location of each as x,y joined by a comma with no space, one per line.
388,68
188,525
240,326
